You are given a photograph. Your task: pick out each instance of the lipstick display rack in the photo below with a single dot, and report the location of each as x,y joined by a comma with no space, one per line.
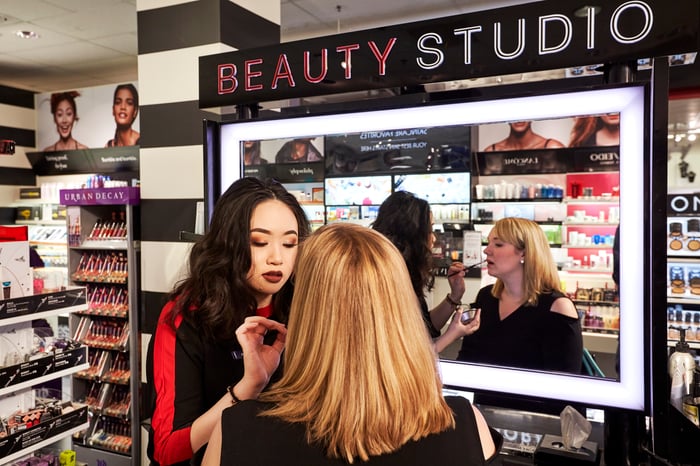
103,251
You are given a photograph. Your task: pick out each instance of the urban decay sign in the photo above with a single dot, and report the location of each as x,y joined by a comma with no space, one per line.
554,34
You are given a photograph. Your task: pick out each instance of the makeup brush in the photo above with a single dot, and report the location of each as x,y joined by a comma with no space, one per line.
473,266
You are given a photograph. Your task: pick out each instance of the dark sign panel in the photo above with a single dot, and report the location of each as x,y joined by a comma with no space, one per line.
103,161
287,172
520,162
597,159
679,205
502,41
399,151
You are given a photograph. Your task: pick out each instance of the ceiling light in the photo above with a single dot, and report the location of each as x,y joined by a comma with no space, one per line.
692,137
678,137
27,34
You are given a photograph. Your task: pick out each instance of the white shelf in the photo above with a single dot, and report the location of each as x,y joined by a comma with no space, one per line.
677,299
42,222
681,298
43,443
600,342
591,200
102,244
44,378
590,224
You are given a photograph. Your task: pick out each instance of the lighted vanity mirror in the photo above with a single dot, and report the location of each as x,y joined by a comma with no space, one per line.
628,103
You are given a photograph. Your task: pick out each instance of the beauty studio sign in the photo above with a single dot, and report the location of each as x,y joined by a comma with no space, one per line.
530,37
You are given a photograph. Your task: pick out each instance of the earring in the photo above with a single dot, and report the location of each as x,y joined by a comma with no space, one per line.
522,261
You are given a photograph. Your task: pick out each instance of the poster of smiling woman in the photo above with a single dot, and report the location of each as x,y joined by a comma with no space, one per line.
103,116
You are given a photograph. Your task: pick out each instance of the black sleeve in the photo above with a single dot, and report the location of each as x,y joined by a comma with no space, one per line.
563,350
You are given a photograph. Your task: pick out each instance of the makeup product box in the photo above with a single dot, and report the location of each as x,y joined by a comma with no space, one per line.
28,213
69,358
36,368
74,416
15,273
10,375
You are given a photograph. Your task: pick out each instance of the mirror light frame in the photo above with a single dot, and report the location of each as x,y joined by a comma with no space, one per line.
629,101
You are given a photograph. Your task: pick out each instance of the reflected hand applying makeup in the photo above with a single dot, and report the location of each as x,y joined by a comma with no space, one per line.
455,277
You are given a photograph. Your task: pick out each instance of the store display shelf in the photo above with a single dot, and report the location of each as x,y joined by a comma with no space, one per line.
677,256
530,200
61,222
598,270
43,434
693,344
683,260
43,443
102,244
588,246
596,303
539,222
676,299
97,451
591,200
45,378
600,342
119,314
39,306
99,280
47,243
681,298
589,224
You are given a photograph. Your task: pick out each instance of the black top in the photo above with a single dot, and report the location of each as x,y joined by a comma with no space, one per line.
532,337
425,312
249,439
189,373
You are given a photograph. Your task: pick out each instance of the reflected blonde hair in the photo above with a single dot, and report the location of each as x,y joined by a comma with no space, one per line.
359,368
539,269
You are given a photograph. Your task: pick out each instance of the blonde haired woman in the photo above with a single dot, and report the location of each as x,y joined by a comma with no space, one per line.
526,319
360,379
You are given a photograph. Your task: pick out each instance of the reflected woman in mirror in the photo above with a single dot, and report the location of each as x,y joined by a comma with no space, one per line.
526,319
602,130
252,154
408,223
361,382
125,108
239,269
65,115
522,137
297,151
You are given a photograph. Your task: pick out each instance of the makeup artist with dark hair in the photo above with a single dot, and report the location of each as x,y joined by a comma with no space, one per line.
407,222
239,269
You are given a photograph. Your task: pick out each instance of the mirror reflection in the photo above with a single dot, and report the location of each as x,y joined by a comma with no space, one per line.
550,303
528,209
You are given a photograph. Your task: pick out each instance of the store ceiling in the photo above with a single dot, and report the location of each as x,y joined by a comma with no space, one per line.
85,43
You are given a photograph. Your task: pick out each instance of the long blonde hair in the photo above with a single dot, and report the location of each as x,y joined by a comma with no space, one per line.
359,368
539,269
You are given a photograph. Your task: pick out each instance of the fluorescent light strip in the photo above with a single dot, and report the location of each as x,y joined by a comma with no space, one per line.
629,102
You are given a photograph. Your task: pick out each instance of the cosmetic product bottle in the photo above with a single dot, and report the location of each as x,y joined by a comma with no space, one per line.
681,366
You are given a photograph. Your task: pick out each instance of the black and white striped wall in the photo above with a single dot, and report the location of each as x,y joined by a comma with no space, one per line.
172,35
17,122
